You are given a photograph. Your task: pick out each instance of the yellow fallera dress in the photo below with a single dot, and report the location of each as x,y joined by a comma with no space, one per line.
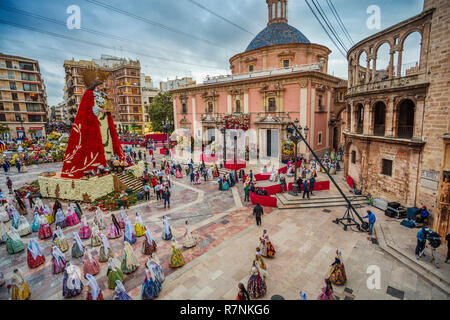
21,292
177,258
140,229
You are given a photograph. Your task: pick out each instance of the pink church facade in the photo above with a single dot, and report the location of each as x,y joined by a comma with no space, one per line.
281,77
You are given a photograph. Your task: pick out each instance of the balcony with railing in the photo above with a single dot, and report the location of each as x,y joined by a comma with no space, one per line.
272,117
360,128
405,132
404,81
379,130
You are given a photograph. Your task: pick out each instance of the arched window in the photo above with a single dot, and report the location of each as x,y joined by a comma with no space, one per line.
379,119
383,58
411,54
405,124
279,9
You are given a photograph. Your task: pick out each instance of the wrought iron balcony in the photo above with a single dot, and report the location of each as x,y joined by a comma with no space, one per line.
405,132
379,130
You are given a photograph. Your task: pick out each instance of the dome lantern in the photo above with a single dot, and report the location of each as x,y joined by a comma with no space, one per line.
277,11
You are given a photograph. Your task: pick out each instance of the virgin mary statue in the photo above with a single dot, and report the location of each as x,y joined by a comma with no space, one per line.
93,140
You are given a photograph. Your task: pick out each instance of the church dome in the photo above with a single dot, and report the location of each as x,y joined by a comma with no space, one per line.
276,34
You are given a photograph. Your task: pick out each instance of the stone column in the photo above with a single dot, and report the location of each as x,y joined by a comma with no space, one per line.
391,65
368,71
367,118
374,69
390,118
352,118
399,63
418,118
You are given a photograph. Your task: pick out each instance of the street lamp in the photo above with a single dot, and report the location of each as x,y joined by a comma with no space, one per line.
224,130
235,149
295,137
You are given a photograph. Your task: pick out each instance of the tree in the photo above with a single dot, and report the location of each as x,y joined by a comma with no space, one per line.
161,109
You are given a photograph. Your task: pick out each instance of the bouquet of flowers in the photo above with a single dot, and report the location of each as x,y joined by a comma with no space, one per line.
237,121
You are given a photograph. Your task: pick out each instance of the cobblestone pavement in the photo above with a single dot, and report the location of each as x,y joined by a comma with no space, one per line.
227,236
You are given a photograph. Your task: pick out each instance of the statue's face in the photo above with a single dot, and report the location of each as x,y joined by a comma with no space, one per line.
99,87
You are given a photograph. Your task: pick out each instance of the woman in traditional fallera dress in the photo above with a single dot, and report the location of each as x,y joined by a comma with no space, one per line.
151,287
78,246
72,284
216,171
129,260
167,232
48,215
36,222
58,260
114,228
98,219
176,258
178,174
56,206
35,257
154,264
256,285
4,216
60,240
129,235
105,251
149,244
259,259
337,273
60,219
72,218
139,228
114,273
96,239
242,294
3,232
120,293
189,239
85,231
45,231
18,286
15,218
14,243
123,218
90,264
326,292
94,291
24,227
265,246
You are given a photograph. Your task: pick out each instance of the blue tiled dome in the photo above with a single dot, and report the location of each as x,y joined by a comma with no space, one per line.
275,34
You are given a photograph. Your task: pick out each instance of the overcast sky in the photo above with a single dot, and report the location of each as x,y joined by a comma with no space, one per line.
201,44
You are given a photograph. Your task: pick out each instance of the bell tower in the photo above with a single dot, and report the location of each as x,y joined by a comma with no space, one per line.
277,11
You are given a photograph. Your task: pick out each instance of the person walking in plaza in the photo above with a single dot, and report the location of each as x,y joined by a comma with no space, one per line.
166,197
312,182
29,196
327,292
337,273
258,212
247,193
9,184
372,220
167,232
421,239
147,192
305,189
282,182
242,294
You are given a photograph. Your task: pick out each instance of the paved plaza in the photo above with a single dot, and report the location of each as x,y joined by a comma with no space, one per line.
227,236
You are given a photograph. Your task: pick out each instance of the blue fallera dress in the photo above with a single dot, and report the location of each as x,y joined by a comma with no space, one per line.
150,289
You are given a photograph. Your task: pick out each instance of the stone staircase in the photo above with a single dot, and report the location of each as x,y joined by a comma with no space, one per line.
285,201
135,184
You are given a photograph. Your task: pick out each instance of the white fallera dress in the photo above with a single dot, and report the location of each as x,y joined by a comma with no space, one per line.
189,240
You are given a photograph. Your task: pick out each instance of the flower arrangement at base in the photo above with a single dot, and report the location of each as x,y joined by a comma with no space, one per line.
33,187
110,202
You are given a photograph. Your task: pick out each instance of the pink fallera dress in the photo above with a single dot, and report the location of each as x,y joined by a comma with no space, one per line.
72,220
113,232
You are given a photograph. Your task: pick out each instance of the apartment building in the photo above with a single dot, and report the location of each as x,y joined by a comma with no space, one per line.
23,99
176,84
